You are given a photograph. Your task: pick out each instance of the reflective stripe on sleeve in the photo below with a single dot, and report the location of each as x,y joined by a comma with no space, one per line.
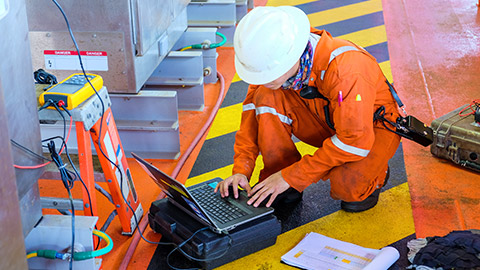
248,107
261,110
348,148
336,53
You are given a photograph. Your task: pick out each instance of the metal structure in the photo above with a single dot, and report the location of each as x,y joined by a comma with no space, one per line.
21,109
18,121
123,40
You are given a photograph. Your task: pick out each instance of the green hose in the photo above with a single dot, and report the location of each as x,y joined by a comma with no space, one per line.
77,256
211,46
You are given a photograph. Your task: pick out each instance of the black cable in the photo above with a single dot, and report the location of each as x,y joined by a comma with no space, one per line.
28,150
47,103
70,265
43,77
380,116
230,243
80,177
68,182
179,248
64,124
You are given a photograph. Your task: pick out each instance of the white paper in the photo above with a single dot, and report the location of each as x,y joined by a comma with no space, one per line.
385,259
318,252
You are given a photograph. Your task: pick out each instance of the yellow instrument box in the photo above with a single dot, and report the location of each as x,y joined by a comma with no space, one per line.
73,91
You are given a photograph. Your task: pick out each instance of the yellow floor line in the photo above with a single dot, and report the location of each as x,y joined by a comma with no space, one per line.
391,220
367,37
345,12
236,78
227,121
387,70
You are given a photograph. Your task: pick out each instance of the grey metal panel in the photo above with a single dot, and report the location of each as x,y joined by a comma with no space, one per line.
11,244
135,42
120,60
198,35
159,144
242,9
106,27
61,203
20,102
150,106
190,97
153,19
179,69
146,64
30,208
84,16
213,12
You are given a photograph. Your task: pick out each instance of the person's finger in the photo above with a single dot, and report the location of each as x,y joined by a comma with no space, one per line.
256,195
272,199
235,187
247,187
261,198
255,189
224,188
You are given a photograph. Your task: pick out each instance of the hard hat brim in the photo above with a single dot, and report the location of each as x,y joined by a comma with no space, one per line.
266,76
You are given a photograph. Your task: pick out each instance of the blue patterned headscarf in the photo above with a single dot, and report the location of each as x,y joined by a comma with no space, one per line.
298,81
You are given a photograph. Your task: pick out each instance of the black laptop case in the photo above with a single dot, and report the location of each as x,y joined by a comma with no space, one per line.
176,226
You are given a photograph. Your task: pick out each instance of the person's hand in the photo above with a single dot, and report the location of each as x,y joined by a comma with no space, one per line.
235,181
273,185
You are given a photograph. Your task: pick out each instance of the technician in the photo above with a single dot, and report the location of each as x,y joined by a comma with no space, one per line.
286,63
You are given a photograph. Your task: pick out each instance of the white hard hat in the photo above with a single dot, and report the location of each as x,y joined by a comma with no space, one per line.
268,42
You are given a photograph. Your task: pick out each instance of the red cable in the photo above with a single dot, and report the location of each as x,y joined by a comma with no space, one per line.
45,164
144,221
475,103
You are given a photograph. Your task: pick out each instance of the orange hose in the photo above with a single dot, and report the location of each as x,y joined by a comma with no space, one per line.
144,221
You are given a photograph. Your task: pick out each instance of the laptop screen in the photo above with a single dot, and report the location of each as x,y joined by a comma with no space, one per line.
170,186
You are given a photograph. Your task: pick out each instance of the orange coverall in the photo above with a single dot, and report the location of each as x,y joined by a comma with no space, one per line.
354,156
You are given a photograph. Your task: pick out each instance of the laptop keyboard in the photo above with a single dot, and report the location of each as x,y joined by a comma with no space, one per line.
215,205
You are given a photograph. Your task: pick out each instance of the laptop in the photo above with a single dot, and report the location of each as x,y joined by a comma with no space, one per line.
201,203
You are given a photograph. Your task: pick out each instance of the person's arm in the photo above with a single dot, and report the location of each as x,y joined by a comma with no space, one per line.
246,148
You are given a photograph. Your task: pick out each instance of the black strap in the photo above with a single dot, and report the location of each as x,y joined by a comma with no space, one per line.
394,94
310,92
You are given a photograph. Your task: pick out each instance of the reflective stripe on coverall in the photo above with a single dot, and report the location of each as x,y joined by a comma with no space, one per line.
354,156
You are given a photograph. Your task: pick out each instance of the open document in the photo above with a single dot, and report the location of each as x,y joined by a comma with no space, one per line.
319,252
